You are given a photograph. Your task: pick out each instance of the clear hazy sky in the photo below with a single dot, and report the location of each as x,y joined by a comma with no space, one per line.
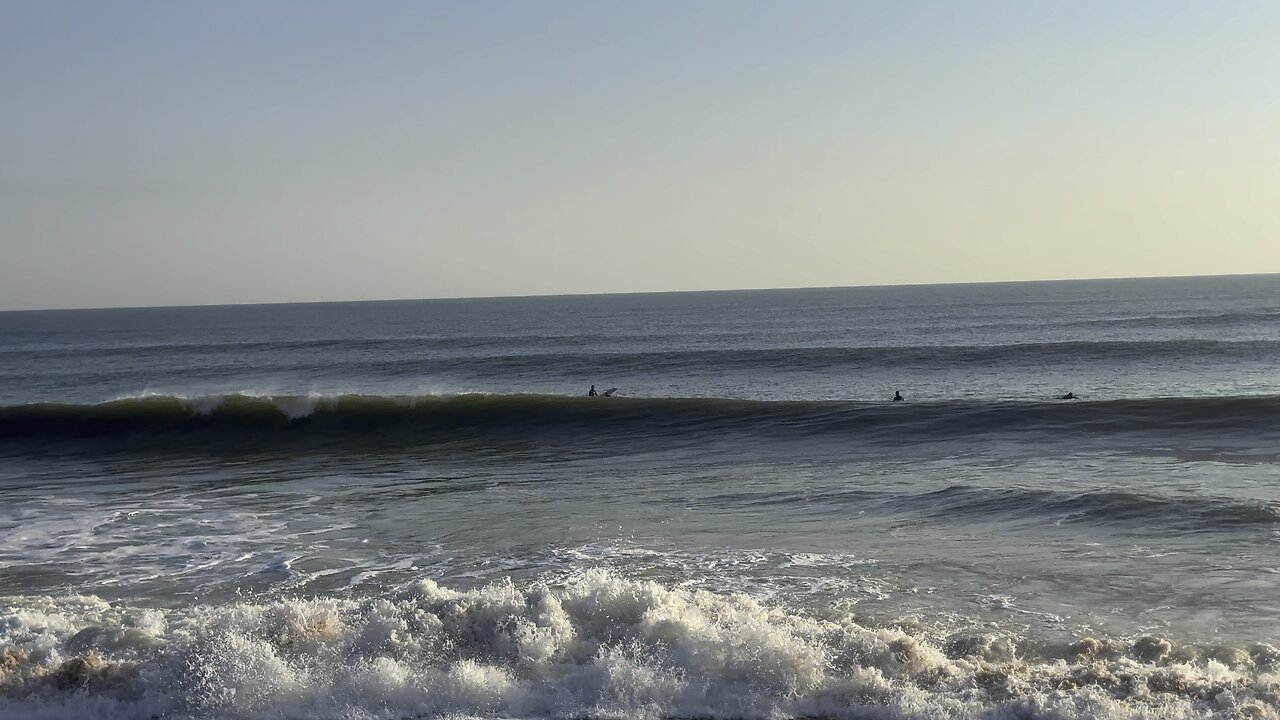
156,153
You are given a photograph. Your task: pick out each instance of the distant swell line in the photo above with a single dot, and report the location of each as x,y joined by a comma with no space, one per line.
574,354
1092,507
818,359
968,502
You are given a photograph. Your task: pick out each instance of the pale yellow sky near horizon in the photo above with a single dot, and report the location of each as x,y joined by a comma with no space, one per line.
157,154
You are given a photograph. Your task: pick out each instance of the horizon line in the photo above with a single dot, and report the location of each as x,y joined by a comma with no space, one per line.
632,292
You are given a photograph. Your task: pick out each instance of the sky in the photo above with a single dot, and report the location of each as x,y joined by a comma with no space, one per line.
172,153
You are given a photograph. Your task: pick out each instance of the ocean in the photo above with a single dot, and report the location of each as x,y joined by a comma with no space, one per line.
411,509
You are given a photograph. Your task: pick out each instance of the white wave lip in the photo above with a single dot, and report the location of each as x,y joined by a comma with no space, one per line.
596,646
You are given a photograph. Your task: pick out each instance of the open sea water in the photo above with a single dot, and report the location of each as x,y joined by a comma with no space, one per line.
411,510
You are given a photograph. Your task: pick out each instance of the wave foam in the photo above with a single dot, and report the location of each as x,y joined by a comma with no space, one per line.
594,646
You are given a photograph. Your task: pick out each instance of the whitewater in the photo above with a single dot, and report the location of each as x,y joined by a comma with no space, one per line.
412,510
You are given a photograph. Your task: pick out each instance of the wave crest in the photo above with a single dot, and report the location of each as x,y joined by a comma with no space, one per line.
482,428
435,418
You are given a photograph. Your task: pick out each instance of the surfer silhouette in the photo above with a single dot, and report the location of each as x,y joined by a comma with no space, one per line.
1068,396
897,396
592,392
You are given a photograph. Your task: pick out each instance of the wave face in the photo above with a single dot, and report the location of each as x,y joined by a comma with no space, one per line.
440,419
589,646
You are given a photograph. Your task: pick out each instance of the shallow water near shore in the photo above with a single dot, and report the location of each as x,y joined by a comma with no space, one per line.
410,509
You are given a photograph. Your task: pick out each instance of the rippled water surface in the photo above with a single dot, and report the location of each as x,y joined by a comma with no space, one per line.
411,509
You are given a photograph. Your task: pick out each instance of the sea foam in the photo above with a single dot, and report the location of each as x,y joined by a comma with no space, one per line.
597,645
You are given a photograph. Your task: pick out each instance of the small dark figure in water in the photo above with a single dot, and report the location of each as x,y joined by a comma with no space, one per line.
592,392
1068,396
897,396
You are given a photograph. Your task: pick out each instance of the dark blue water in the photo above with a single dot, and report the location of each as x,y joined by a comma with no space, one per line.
410,509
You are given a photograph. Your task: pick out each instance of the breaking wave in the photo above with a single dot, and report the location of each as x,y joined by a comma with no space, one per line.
592,645
427,419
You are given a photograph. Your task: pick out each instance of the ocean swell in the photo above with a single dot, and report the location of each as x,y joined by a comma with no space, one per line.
1098,507
175,423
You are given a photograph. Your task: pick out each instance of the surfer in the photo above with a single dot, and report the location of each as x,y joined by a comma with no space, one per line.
592,392
1068,396
897,396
